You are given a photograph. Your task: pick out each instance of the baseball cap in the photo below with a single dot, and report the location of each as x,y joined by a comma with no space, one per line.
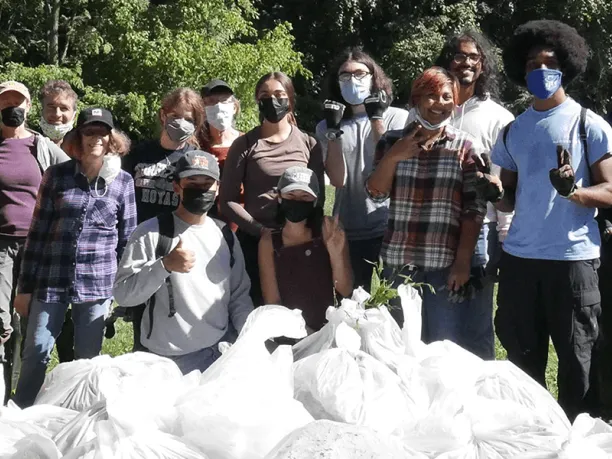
16,86
213,85
197,162
299,178
95,115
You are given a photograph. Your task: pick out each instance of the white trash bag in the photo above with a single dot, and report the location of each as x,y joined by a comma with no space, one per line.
36,446
334,440
51,419
244,405
11,432
80,384
348,385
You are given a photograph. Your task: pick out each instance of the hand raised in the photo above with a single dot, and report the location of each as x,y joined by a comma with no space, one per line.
333,234
488,185
563,178
180,260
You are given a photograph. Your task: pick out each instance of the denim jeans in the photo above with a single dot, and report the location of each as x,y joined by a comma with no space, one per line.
198,360
479,336
44,325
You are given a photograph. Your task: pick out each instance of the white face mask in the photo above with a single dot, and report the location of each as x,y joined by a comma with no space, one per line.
355,91
427,125
111,166
55,131
221,115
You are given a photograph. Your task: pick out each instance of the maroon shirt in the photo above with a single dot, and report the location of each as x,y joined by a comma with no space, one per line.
20,178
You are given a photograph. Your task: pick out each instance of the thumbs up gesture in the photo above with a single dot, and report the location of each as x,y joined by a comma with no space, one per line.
563,178
180,260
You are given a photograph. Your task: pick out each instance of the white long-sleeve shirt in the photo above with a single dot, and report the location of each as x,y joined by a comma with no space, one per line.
485,120
205,299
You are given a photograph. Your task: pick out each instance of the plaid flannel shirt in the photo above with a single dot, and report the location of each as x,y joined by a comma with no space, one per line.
77,237
431,194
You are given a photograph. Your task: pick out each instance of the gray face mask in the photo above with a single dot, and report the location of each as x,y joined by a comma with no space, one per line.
179,129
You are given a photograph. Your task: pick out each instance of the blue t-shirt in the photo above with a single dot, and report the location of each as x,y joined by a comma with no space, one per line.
547,226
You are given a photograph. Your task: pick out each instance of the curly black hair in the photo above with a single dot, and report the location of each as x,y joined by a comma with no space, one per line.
488,82
570,48
379,79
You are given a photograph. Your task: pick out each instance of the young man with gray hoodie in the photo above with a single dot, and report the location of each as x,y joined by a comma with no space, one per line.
470,57
196,289
24,156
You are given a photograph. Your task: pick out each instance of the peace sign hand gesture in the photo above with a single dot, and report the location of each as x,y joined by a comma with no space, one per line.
563,178
333,235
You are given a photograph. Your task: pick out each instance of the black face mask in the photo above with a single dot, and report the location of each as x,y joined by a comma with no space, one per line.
197,201
296,211
272,109
13,116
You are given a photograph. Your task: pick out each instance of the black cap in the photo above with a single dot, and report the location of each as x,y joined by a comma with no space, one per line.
95,115
213,86
197,162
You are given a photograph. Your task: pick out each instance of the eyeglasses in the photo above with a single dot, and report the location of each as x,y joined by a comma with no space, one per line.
359,75
460,58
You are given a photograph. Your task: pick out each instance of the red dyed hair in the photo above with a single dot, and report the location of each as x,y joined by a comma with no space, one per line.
432,81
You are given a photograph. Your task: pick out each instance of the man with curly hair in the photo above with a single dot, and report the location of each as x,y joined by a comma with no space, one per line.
556,170
470,57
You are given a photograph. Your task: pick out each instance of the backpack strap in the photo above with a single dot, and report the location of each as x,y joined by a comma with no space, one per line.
228,235
583,135
505,134
165,222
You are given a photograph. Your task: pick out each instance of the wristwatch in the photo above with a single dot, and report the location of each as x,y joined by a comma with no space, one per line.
333,135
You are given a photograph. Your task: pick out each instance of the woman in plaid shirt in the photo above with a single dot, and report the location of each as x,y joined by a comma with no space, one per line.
428,172
84,215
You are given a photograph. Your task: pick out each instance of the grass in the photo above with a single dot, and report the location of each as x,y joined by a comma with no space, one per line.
122,342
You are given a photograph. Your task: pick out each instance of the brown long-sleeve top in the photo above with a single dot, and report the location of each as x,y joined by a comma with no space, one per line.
257,165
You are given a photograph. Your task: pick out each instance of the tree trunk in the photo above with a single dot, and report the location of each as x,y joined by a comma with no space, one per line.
53,8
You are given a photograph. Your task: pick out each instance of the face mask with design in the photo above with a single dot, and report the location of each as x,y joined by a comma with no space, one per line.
197,201
13,116
355,91
221,115
296,211
55,131
273,109
544,83
111,166
427,125
179,129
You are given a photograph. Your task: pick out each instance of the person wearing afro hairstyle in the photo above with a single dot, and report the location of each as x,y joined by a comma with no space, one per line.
554,179
469,56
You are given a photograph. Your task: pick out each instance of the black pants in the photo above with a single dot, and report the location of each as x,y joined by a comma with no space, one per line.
538,299
362,254
250,250
603,355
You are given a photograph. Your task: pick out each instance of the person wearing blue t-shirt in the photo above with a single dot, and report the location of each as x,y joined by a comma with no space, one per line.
554,179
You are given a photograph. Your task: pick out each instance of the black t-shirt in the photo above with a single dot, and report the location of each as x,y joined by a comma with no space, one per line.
152,166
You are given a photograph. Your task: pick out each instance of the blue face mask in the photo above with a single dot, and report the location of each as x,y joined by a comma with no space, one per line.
543,83
355,91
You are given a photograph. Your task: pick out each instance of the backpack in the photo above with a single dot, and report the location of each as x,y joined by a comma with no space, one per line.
163,248
581,131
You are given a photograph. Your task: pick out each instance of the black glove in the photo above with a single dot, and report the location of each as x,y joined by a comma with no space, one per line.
110,327
484,185
563,178
376,104
333,113
606,234
468,290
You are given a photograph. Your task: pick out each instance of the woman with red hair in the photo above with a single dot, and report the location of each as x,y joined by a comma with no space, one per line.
427,170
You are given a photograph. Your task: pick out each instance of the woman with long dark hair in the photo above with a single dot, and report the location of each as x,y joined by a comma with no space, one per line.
256,161
357,114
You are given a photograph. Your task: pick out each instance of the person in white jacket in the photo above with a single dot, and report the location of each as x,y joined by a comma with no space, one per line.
469,56
198,291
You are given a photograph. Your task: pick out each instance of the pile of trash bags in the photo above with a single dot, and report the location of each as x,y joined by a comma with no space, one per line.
360,388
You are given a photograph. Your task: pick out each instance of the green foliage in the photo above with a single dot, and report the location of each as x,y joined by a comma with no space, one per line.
382,287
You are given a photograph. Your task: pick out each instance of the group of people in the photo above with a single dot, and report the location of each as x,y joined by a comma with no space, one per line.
189,232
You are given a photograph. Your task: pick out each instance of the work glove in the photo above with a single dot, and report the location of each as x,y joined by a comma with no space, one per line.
563,178
606,234
469,290
376,104
487,184
332,113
